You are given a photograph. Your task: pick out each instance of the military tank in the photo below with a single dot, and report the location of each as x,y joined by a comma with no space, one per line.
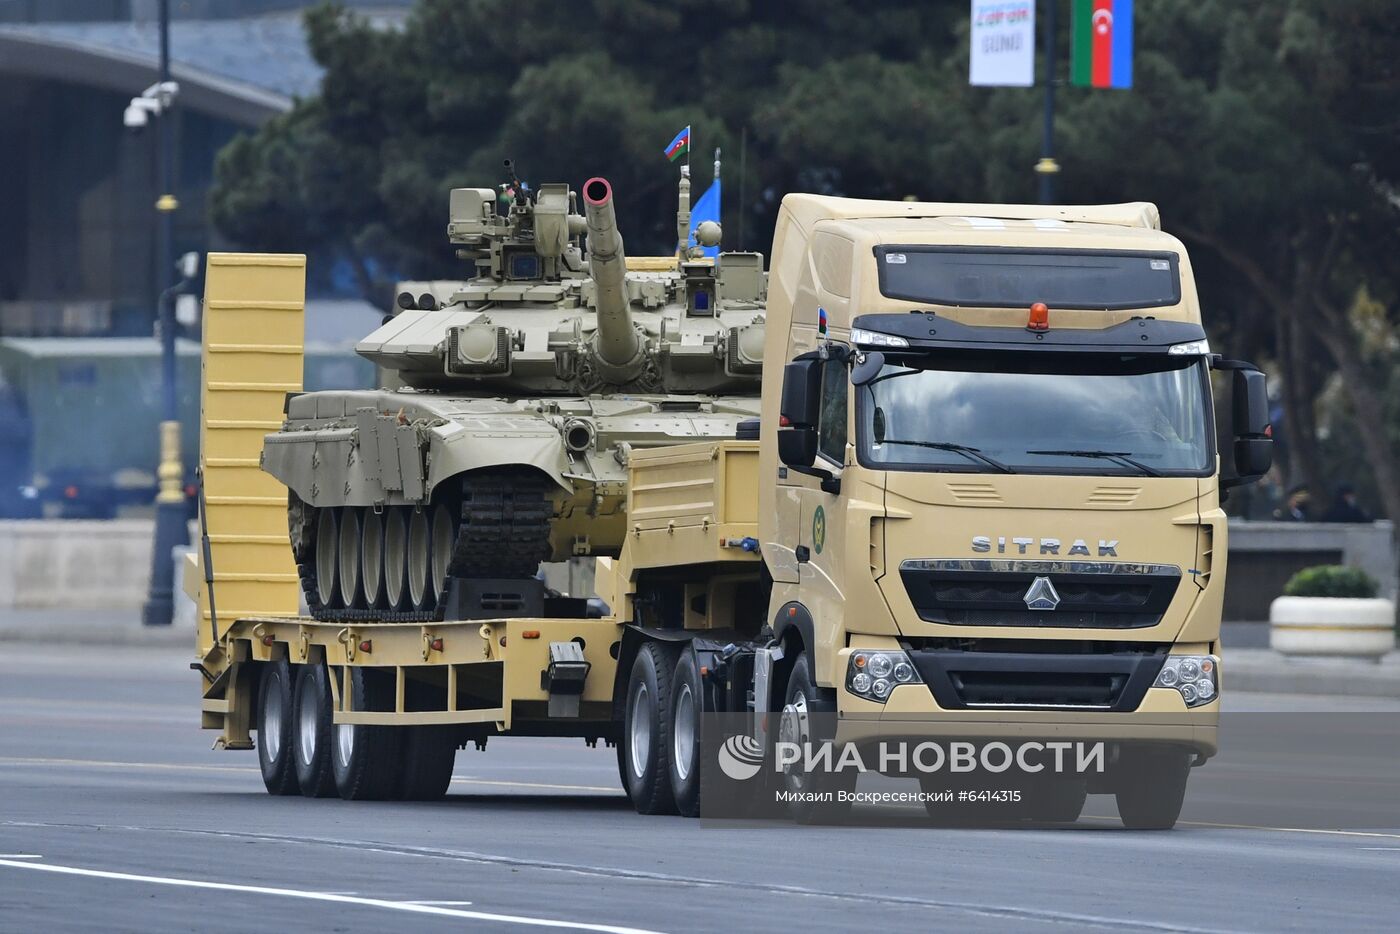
512,400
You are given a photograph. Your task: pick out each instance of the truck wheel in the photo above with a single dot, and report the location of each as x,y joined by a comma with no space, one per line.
365,759
1151,787
687,709
1061,802
646,730
429,753
312,732
275,756
798,724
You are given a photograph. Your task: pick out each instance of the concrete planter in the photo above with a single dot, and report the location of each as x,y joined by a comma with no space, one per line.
1332,626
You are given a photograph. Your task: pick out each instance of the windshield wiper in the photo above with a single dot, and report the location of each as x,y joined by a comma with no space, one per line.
1121,457
971,453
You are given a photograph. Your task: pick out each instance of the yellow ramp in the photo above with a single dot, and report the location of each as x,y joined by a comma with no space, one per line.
254,326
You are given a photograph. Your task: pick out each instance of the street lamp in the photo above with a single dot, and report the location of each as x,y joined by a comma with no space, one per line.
156,101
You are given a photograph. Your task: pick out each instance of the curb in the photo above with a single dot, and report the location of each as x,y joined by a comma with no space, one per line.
1247,670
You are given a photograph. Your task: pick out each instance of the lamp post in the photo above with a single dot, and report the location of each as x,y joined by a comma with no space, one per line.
1047,167
170,529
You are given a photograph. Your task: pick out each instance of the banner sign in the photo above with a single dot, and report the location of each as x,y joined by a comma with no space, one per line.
1003,43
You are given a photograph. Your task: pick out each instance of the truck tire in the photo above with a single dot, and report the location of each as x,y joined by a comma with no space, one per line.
1151,786
646,730
687,710
429,752
801,701
276,758
365,759
312,732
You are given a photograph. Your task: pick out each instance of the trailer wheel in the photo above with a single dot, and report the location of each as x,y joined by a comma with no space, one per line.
275,734
687,709
365,759
1151,786
646,730
429,753
312,732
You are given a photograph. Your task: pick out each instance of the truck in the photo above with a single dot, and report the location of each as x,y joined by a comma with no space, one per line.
984,503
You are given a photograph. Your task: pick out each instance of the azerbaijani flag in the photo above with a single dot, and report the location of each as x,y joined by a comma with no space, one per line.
679,145
1101,47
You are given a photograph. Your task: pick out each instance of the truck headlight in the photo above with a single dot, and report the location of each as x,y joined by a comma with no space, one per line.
1193,676
874,673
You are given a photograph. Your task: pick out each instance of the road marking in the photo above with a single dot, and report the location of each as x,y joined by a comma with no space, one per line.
413,907
20,856
250,770
429,901
1202,823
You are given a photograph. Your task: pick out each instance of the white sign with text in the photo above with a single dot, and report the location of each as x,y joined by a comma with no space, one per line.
1003,43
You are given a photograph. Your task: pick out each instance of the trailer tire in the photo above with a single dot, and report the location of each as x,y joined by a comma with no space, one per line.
276,757
646,730
365,759
1151,786
687,715
429,752
312,732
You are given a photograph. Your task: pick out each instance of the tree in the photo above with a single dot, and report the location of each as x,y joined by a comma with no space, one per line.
1266,130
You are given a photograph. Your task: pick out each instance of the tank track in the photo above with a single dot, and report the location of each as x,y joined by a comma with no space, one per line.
503,532
504,529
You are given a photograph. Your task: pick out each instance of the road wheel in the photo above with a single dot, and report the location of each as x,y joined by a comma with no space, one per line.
396,558
1151,786
646,730
365,759
428,756
444,537
312,732
372,558
687,707
1060,802
420,590
275,755
799,723
327,557
348,565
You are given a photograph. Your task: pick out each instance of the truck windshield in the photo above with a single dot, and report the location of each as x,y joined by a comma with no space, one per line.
1103,414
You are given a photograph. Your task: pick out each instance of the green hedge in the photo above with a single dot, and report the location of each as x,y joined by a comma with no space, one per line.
1331,580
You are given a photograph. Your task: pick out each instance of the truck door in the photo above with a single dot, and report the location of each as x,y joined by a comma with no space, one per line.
821,569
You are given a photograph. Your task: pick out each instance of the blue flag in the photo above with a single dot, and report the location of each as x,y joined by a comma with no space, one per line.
706,209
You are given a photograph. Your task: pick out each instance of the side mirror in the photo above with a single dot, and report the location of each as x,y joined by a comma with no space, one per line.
868,366
1254,443
801,402
797,447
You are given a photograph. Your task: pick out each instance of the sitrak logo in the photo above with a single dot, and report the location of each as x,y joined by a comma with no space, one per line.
740,757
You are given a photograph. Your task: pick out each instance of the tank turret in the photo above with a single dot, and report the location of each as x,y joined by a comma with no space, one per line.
616,342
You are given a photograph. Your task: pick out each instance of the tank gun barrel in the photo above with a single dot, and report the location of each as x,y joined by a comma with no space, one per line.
617,342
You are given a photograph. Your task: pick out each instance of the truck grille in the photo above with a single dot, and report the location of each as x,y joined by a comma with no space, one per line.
1090,594
1109,681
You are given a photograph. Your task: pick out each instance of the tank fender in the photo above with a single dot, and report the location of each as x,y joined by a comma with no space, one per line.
453,449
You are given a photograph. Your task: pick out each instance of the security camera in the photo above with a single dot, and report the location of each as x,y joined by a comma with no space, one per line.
135,117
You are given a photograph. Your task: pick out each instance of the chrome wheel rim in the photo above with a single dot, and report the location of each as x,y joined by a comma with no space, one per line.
372,557
271,735
344,742
349,563
395,557
419,555
795,728
307,717
640,716
683,746
326,557
444,537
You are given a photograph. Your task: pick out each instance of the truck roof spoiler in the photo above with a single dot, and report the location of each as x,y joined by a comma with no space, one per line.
808,209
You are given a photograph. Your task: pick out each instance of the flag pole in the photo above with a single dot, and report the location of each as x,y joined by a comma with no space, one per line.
1047,166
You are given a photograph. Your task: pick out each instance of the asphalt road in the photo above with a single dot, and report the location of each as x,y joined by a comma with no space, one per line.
115,815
